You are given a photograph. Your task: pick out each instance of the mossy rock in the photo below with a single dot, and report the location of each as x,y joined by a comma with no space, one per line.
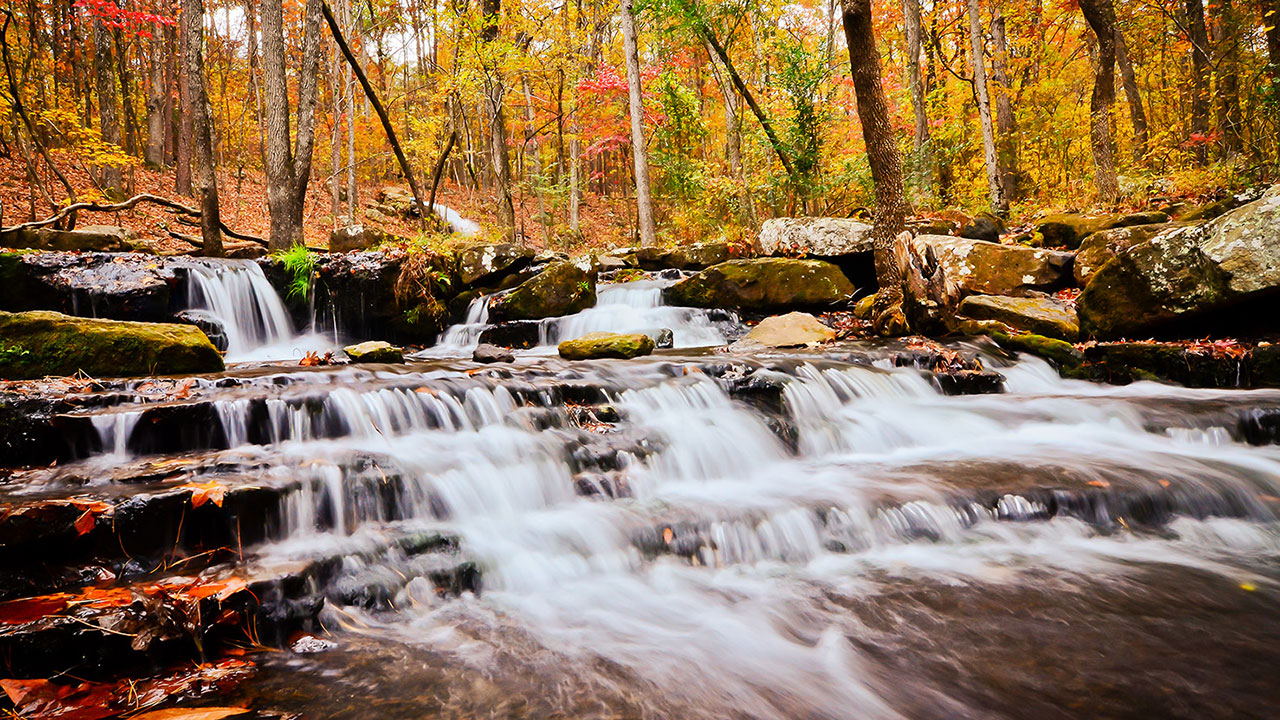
592,346
488,264
1039,315
763,284
1123,362
1069,229
561,289
1060,352
374,351
38,343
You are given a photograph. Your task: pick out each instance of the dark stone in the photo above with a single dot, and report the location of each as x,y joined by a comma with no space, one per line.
211,326
984,226
486,353
124,286
517,334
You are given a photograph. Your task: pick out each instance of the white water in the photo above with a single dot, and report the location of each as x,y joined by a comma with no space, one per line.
237,294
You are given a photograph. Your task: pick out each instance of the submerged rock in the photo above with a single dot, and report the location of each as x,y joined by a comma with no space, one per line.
791,330
486,353
38,343
814,237
982,267
1040,315
561,289
374,351
606,345
763,284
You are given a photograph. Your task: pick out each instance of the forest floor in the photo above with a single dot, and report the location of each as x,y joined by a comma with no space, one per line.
605,221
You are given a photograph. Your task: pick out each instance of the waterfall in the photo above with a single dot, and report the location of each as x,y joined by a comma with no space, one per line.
239,297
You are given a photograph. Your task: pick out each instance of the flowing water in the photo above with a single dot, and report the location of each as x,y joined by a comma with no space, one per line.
784,536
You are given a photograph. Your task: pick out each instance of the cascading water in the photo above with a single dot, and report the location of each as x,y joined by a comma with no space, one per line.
238,296
702,556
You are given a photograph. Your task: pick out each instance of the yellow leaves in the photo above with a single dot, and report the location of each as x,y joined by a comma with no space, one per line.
201,493
203,713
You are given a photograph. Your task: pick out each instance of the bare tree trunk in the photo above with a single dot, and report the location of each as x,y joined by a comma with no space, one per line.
182,163
335,142
255,73
733,139
202,135
349,89
1006,122
129,118
1226,40
108,111
1101,16
644,200
155,104
1271,21
533,153
1137,116
996,190
1199,38
923,164
882,154
495,91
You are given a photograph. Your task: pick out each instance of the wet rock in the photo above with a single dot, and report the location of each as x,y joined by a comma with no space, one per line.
1039,315
968,382
813,237
125,286
515,334
488,264
1151,285
486,353
763,284
1123,362
358,237
598,345
662,337
39,343
1100,247
211,326
561,289
1062,353
90,238
698,256
989,268
984,226
374,351
791,330
1070,229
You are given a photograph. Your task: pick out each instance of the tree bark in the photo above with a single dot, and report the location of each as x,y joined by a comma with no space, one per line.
1101,16
201,129
882,154
288,165
1271,21
533,153
639,154
1199,38
155,104
998,203
923,164
733,140
182,161
495,92
1006,121
108,109
1226,40
1137,116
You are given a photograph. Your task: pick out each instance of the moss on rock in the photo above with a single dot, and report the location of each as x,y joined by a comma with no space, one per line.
38,343
606,345
561,289
763,284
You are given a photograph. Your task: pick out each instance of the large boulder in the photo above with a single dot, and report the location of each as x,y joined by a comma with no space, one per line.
1151,285
561,289
120,286
485,264
606,345
1246,244
397,201
814,237
1069,229
358,237
791,330
983,226
38,343
988,268
695,256
1039,315
763,284
90,238
1100,247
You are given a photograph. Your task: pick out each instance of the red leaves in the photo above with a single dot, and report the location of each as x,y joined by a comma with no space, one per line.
21,612
118,18
36,699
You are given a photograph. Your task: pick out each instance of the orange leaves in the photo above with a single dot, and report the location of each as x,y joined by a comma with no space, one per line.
203,713
20,612
84,524
201,493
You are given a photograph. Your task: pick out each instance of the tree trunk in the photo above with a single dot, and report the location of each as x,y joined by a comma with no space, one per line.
108,110
495,91
998,203
1137,116
644,201
1226,40
130,119
1199,38
923,164
1006,122
1271,21
533,151
288,165
182,162
882,154
733,140
1101,16
155,104
201,130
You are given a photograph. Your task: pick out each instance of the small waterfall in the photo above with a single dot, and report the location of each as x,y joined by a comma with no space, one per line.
114,430
464,336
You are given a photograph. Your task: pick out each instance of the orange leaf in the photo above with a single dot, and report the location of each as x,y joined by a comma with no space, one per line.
211,491
85,523
18,612
203,713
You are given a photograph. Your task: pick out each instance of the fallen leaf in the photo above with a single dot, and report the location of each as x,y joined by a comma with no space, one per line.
203,713
85,523
211,491
18,612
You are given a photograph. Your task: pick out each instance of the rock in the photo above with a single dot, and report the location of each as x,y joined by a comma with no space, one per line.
791,330
865,308
561,289
1245,243
38,343
699,256
1039,315
125,286
932,226
663,338
90,238
374,351
211,326
1123,362
246,250
611,262
813,237
1150,285
373,214
516,334
486,264
762,284
358,237
984,226
1069,229
1062,353
988,268
606,345
1100,247
397,201
486,353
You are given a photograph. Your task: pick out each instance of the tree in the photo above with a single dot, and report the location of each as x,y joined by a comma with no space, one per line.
288,166
994,187
201,126
882,154
1137,115
108,107
923,163
1101,16
639,155
495,92
1198,36
1006,121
